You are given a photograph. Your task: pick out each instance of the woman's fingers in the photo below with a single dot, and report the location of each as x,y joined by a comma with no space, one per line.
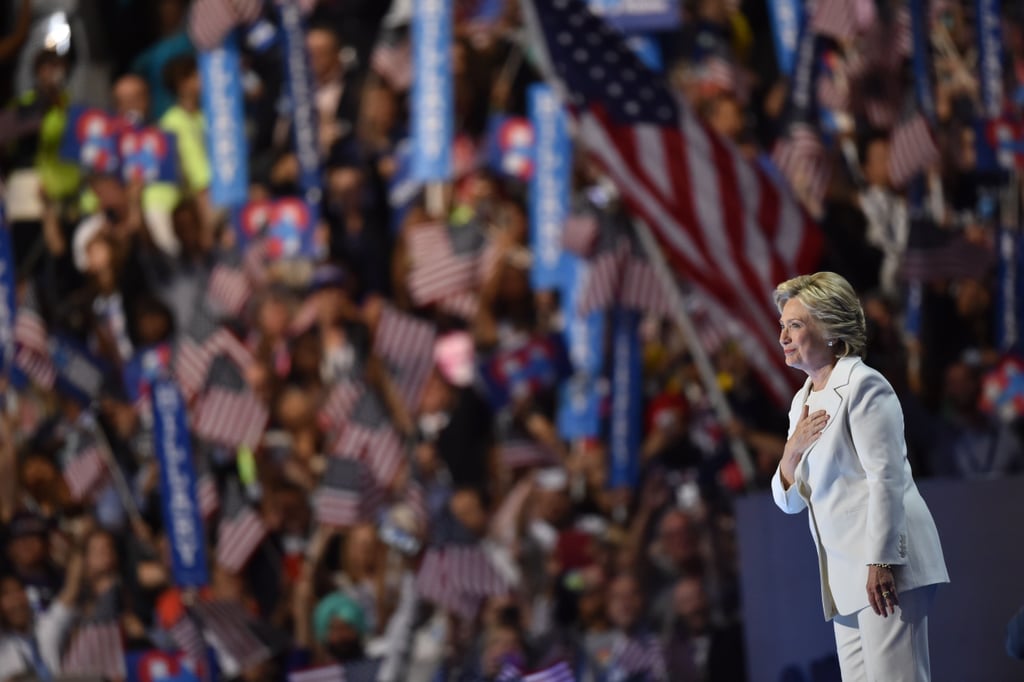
812,425
875,600
883,599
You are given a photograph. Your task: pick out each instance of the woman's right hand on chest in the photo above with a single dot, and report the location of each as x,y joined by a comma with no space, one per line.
808,430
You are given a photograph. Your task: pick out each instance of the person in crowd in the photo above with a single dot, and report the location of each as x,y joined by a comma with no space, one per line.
888,226
186,121
1015,636
172,42
27,546
846,463
639,581
966,442
32,635
636,650
41,116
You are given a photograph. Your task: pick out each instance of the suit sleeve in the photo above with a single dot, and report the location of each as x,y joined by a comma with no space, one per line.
788,500
876,426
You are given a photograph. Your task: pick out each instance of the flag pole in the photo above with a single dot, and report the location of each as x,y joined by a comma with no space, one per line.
116,475
705,370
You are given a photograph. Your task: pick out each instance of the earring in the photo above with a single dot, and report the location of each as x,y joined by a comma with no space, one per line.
831,343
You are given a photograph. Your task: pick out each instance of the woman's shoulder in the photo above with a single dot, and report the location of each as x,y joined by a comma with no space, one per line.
863,375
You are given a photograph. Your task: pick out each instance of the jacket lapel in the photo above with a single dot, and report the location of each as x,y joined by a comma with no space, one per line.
833,397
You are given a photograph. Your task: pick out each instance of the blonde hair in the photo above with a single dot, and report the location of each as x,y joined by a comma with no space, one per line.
834,306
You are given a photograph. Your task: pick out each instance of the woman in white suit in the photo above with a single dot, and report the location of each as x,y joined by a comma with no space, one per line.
846,462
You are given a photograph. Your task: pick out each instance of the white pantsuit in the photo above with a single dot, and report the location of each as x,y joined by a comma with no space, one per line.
864,507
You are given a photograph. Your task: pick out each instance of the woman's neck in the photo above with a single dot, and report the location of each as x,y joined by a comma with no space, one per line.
819,377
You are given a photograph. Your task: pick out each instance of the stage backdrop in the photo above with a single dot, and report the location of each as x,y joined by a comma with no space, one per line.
980,526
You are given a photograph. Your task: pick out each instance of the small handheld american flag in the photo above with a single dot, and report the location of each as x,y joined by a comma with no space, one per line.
241,530
228,412
97,646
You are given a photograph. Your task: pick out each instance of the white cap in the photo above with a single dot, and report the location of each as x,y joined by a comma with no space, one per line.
552,479
85,233
454,355
161,230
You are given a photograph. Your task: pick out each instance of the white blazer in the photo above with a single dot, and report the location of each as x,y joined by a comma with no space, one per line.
855,480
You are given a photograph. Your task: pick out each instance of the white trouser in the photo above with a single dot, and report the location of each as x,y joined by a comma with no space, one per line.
873,648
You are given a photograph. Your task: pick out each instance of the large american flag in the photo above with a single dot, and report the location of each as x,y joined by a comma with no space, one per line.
241,530
723,223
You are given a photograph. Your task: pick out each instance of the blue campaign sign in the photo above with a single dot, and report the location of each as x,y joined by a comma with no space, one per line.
639,16
7,300
627,394
990,56
509,146
148,155
80,374
91,139
433,91
579,407
285,225
154,665
584,335
402,188
550,186
178,486
1010,294
223,108
299,83
787,18
144,367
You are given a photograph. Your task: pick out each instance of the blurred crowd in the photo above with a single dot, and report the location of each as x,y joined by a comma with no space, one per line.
489,543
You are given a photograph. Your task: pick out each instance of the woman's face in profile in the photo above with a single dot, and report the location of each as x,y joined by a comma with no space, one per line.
100,555
802,342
